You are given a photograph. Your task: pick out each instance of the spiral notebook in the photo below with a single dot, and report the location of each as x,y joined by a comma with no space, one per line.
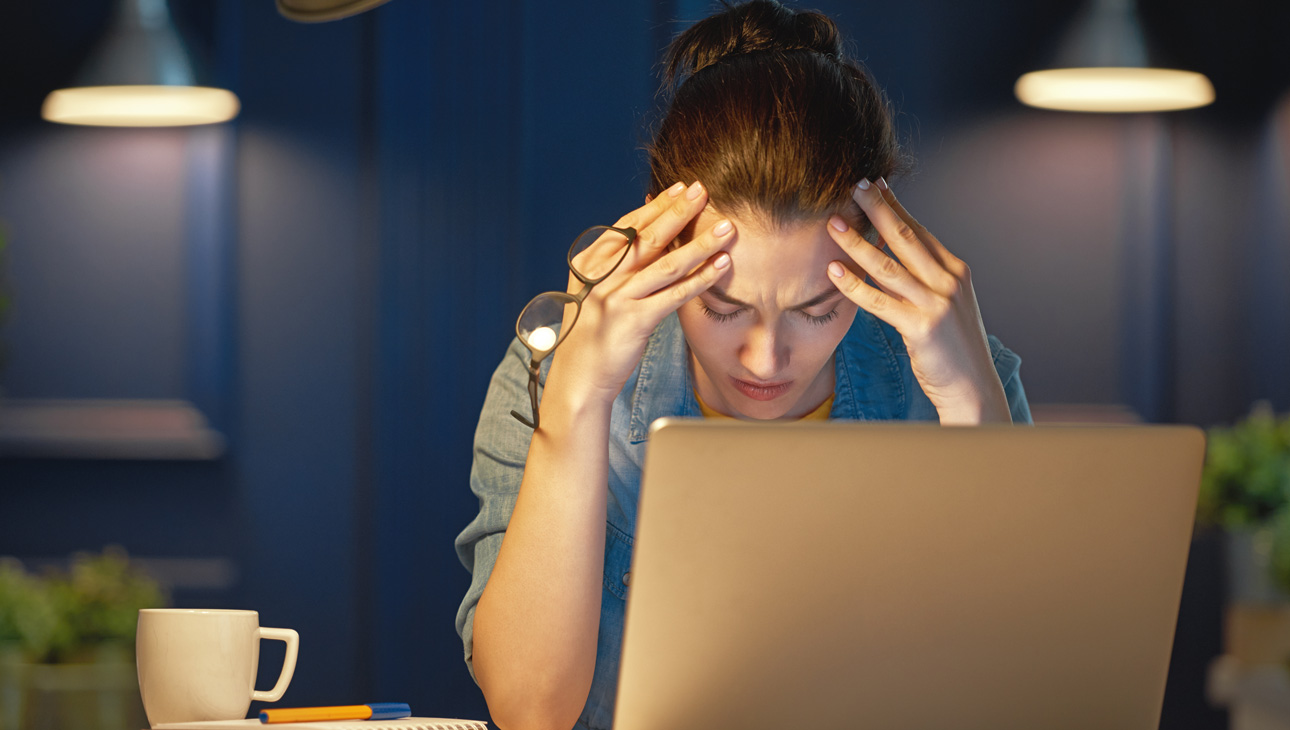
407,723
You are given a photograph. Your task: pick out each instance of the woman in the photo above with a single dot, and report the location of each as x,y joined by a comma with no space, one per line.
743,295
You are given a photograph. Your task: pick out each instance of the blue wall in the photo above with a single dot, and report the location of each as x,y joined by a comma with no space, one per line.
333,276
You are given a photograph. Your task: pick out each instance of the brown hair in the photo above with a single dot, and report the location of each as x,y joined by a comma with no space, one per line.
770,115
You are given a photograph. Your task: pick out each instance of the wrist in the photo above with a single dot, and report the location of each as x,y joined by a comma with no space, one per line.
568,396
979,406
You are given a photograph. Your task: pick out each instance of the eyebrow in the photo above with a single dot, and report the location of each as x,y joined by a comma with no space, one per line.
816,300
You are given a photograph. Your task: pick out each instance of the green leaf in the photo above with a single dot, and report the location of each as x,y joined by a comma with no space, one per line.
1246,478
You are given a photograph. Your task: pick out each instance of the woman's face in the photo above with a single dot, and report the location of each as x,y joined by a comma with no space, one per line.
762,338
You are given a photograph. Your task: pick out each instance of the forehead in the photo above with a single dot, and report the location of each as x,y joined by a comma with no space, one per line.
788,260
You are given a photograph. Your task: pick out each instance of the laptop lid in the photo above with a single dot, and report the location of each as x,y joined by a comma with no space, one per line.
904,575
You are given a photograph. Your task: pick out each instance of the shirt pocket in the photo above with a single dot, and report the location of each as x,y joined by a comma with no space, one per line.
618,561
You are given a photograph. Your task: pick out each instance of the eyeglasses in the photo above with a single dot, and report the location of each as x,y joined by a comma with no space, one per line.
549,317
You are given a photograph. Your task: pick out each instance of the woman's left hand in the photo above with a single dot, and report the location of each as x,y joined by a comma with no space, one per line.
926,294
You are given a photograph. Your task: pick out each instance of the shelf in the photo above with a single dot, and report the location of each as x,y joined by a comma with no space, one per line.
106,429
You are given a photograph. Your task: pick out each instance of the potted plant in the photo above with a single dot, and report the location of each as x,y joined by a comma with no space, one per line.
67,643
1245,490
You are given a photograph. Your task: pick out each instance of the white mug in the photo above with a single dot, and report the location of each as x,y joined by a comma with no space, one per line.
200,664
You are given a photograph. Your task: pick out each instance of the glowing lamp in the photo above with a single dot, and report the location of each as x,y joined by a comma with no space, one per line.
1103,67
140,75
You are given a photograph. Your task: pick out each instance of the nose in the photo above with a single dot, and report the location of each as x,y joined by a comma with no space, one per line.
763,353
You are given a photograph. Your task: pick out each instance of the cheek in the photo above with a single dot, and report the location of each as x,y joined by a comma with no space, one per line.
818,342
710,340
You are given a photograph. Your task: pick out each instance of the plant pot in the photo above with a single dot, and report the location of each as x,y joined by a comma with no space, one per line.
1249,575
11,685
102,694
1256,621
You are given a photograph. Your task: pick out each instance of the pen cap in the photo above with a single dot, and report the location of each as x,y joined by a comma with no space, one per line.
389,710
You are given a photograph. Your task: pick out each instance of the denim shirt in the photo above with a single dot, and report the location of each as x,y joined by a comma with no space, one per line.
874,382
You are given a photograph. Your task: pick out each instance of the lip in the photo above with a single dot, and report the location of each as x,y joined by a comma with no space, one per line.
763,392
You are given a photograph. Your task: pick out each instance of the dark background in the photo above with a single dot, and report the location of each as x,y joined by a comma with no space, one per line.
333,276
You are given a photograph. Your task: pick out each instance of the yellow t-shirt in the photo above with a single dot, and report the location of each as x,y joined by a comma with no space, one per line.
819,414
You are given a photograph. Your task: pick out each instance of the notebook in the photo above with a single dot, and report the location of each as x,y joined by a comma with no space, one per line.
905,576
407,723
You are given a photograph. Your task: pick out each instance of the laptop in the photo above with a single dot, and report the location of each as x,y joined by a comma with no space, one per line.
906,576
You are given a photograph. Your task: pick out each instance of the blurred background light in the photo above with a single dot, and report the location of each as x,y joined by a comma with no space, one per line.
140,106
1103,66
139,75
1115,89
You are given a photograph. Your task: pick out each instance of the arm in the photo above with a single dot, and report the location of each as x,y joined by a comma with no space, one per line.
925,292
535,627
536,623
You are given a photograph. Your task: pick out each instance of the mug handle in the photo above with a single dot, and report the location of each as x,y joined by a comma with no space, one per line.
288,663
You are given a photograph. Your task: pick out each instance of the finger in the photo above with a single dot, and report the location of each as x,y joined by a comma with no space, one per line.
609,246
903,239
884,306
882,247
669,299
680,261
652,209
602,254
952,263
881,267
653,237
887,290
885,248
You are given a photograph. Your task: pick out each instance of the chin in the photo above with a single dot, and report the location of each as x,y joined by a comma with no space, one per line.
762,410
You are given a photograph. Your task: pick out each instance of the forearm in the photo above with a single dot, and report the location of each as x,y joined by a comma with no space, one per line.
988,405
536,624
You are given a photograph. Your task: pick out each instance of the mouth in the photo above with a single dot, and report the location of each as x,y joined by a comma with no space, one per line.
761,391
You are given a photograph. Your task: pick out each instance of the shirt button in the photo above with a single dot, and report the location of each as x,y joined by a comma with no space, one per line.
627,578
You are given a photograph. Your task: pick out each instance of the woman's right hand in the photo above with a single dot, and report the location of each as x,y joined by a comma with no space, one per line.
654,280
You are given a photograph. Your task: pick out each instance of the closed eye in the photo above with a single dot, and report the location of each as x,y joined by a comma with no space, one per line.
719,316
821,320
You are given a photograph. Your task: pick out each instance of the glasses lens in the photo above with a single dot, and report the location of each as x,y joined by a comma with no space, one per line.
596,252
544,318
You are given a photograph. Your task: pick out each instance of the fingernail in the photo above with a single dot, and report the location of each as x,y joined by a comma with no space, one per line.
882,184
863,184
722,228
838,224
695,190
836,270
722,261
676,189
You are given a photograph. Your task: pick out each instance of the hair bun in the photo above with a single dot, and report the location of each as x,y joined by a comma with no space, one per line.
758,25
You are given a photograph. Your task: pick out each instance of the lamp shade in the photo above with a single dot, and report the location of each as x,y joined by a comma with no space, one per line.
317,11
139,75
1103,66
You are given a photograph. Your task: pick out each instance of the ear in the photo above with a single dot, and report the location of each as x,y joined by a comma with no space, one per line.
648,198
